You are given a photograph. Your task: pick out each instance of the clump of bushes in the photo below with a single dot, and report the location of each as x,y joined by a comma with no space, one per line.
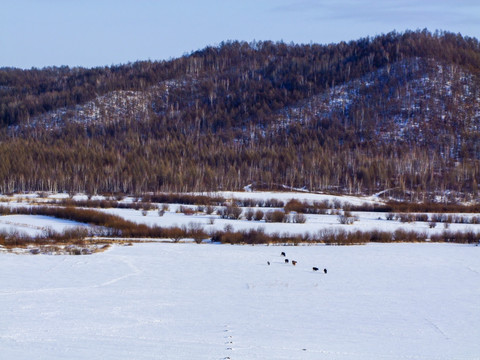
275,216
196,232
405,218
186,210
230,212
347,218
421,217
296,206
209,209
258,215
249,214
298,218
390,216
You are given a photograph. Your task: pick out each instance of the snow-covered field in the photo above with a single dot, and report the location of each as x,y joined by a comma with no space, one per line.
367,221
188,301
36,225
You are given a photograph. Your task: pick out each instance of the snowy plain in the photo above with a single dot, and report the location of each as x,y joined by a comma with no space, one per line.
210,301
189,301
367,221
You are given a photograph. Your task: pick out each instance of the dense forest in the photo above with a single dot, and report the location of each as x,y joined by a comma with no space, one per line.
400,111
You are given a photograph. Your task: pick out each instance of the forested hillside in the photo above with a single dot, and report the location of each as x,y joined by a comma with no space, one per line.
399,111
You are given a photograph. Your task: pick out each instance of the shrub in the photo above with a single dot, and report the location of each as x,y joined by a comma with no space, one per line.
249,214
147,206
175,233
390,216
186,210
299,218
346,218
380,236
438,217
296,206
275,216
255,237
421,217
274,203
230,212
337,204
229,238
196,232
405,218
209,209
402,235
259,215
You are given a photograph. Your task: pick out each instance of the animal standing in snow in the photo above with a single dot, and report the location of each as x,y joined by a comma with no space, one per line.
325,271
268,262
283,254
286,261
315,268
294,262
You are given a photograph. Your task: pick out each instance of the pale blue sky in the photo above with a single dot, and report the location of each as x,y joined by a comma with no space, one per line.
104,32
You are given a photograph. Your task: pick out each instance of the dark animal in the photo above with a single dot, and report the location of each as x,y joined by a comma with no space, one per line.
268,262
283,254
294,262
286,261
325,271
315,268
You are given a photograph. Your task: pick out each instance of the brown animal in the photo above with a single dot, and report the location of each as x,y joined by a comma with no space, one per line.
294,262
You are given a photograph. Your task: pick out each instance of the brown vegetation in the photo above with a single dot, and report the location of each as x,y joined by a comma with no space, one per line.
212,120
117,227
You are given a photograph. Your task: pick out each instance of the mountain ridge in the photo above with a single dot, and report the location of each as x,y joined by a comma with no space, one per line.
394,111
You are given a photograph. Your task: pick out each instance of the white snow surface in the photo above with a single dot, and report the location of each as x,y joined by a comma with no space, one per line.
36,224
302,196
188,301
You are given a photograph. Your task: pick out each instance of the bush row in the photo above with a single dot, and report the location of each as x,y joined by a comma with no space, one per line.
406,207
115,226
317,207
342,237
434,218
106,204
74,236
184,199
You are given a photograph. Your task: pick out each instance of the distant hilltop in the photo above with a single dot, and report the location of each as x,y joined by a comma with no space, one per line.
397,111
